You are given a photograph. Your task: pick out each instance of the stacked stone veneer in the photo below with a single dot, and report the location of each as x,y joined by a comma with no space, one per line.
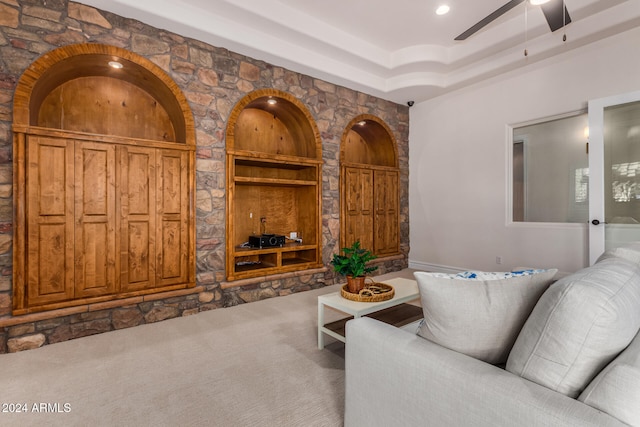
213,80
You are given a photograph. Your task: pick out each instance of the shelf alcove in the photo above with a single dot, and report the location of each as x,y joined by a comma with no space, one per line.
369,186
274,158
104,178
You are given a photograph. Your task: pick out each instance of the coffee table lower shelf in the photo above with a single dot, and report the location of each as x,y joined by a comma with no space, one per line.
398,316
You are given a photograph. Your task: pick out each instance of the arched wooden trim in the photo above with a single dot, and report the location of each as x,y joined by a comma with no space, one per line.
375,130
91,59
292,109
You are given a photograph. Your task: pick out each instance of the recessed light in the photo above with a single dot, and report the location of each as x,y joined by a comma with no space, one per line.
538,2
272,101
442,9
362,123
115,64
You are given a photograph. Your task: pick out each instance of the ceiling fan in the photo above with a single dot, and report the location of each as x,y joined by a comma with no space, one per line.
552,9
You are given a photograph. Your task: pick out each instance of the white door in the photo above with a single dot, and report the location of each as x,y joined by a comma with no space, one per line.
614,172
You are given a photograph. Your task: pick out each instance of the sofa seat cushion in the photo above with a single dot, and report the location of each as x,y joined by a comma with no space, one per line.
616,390
578,326
478,313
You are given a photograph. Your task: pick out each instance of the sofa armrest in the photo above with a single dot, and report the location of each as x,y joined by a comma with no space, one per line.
396,378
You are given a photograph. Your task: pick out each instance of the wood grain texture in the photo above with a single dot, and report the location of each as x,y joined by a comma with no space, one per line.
369,186
104,167
107,106
95,219
274,183
50,200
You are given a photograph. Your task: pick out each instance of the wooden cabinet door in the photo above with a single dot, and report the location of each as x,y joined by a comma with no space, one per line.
386,212
49,220
95,217
137,195
102,220
172,217
359,206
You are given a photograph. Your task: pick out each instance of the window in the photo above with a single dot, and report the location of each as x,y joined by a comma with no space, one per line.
550,170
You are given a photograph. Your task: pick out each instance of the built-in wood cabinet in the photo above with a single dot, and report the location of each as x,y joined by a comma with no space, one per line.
104,168
274,186
103,218
369,186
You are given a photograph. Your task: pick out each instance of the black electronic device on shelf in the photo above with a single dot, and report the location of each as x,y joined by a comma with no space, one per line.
266,241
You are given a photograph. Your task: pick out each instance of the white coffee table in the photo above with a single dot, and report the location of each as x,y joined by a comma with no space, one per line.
395,308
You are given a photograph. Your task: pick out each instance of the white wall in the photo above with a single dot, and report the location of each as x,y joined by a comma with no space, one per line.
458,160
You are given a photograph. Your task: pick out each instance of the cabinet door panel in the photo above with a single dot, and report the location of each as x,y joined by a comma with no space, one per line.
359,206
137,218
386,217
95,242
49,207
173,210
139,266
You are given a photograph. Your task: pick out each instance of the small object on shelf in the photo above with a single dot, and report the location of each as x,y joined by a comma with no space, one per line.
372,292
266,241
241,263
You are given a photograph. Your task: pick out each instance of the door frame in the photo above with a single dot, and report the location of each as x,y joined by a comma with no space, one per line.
596,108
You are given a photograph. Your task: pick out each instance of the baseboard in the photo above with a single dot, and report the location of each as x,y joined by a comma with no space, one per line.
425,266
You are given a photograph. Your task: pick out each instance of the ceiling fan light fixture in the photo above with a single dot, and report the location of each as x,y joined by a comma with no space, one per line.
442,9
538,2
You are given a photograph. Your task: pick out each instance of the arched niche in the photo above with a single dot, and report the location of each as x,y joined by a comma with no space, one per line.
369,186
368,140
75,88
275,123
104,162
274,181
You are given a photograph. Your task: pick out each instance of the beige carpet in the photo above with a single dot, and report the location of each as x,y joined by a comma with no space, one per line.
251,365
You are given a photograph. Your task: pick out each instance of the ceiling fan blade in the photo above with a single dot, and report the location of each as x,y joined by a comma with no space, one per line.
490,18
553,13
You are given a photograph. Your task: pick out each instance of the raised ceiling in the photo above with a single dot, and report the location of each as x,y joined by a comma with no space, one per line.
398,50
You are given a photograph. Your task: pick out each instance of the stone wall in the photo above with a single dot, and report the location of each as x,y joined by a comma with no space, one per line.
213,79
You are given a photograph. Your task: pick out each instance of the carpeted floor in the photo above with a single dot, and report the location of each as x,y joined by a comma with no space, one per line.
250,365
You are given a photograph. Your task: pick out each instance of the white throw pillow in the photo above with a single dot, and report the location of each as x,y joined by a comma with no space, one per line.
579,325
616,390
478,313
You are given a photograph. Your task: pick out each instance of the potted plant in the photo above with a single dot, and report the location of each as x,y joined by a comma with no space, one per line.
353,265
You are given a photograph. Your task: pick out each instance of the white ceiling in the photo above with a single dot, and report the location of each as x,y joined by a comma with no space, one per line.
399,50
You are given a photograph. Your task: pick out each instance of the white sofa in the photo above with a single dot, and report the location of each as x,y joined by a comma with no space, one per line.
396,378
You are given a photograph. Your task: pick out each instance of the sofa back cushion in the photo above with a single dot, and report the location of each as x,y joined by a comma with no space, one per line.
578,326
616,390
479,313
629,251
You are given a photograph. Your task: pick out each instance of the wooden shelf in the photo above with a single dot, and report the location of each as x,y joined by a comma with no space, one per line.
288,247
241,180
249,262
398,316
274,184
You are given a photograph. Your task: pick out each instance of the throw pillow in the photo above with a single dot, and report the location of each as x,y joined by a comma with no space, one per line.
479,313
616,390
579,325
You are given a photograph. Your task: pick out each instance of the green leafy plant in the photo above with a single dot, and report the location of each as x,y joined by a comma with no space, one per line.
354,261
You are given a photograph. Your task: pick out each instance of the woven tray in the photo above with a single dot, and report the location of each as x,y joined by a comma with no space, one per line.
372,292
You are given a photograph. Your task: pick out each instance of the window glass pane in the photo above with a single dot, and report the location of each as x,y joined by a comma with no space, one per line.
622,158
551,171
